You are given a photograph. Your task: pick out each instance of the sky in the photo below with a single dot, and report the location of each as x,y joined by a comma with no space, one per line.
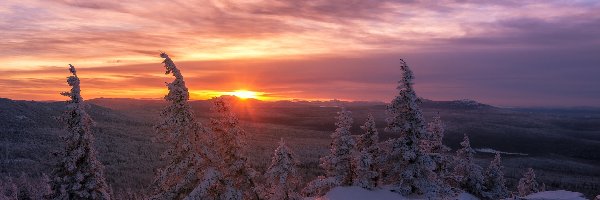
505,53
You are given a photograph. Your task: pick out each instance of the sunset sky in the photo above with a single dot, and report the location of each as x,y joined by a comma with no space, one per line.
506,53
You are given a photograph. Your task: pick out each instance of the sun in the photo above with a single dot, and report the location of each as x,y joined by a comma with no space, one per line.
245,94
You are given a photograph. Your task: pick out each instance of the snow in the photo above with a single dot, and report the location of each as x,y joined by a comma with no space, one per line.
466,196
555,195
358,193
493,151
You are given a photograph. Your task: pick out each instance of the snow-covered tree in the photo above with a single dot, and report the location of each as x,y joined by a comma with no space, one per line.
495,182
434,146
320,186
79,174
469,174
435,134
366,173
338,164
282,176
528,185
189,157
407,166
238,176
369,139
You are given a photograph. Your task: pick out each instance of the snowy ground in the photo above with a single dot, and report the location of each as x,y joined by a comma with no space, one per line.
358,193
555,195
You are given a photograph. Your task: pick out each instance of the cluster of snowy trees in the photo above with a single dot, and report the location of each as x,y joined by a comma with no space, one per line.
209,162
414,162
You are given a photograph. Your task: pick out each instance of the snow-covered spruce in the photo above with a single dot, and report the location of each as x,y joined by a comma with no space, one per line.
282,176
469,175
338,164
78,174
238,176
435,134
433,146
188,154
369,139
494,180
364,161
407,166
365,175
320,186
528,185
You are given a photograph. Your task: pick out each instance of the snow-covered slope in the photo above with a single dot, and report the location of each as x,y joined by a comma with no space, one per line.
555,195
358,193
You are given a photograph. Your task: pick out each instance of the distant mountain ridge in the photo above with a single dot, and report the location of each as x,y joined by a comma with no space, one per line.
128,103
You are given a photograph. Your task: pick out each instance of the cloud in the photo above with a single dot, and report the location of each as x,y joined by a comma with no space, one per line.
501,52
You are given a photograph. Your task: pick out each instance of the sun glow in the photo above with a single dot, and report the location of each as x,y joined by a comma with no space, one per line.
245,94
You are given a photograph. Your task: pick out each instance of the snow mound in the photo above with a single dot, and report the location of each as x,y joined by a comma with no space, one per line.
555,195
358,193
466,196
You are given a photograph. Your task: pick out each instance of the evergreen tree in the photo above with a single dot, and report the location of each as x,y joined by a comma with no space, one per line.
433,146
79,174
435,134
369,139
338,164
238,176
189,172
495,182
408,167
469,174
528,185
320,186
364,162
365,175
282,176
